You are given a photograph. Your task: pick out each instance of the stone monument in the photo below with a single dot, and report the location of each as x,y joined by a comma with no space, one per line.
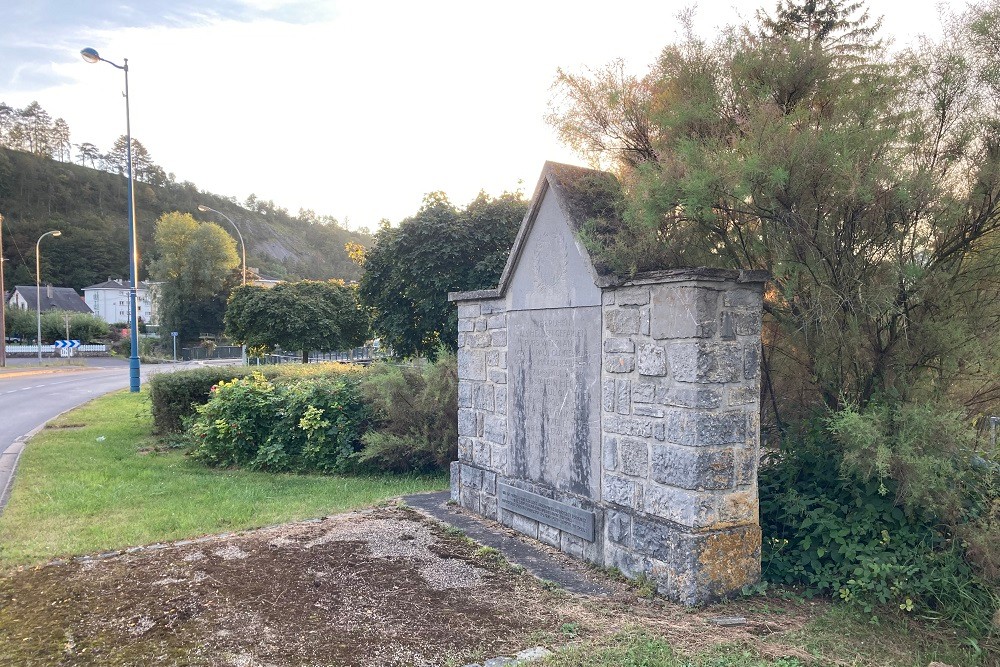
615,420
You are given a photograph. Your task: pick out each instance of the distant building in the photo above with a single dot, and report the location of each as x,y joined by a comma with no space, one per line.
254,277
52,298
109,301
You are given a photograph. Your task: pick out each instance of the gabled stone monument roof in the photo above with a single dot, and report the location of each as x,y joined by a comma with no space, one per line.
582,194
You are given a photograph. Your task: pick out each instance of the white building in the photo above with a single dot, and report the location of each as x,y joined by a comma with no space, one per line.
109,301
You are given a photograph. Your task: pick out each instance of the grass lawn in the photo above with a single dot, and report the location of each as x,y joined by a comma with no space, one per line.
91,481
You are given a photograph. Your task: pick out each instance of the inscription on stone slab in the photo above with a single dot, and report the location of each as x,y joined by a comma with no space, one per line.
553,513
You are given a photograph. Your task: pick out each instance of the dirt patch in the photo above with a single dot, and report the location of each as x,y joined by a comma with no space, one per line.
379,587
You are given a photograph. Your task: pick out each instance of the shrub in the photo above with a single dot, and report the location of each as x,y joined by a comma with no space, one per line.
174,396
305,425
845,537
416,413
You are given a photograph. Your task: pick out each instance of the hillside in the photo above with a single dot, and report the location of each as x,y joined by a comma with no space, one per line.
38,194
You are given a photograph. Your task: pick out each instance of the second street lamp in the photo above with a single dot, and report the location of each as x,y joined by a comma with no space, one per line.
38,286
243,248
91,56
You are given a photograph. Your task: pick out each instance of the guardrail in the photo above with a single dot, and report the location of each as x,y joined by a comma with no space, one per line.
51,349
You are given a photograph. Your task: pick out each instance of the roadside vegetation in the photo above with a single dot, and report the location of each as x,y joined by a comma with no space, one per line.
96,479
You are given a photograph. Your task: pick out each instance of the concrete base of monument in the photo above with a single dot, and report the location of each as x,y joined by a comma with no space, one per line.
687,565
541,562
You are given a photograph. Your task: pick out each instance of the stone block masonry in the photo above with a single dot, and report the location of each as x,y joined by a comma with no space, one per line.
617,421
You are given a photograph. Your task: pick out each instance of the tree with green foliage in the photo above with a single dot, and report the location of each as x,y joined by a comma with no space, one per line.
868,183
307,315
411,268
85,327
196,262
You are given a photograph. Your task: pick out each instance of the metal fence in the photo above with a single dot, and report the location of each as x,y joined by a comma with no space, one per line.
52,349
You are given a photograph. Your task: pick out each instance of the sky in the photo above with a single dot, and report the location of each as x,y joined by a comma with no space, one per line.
351,109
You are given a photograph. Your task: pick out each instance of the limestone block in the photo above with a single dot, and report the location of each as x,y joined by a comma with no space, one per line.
693,468
466,325
495,429
488,506
523,524
455,479
497,321
465,394
688,397
480,325
609,453
632,296
623,396
683,312
471,364
739,508
489,482
470,499
747,324
619,345
644,317
628,562
633,457
705,361
652,360
695,509
628,426
472,477
619,527
659,431
643,392
490,307
607,297
652,538
500,401
548,535
697,428
620,491
608,395
747,463
647,410
622,321
751,361
746,298
704,567
619,363
572,545
481,453
465,448
498,376
468,310
499,458
498,338
492,358
742,394
503,360
484,397
467,422
727,328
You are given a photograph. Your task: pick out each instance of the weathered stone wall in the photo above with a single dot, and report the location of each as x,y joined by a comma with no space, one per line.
674,493
483,448
680,397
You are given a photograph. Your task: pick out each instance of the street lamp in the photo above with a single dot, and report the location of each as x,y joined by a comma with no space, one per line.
91,56
38,286
243,247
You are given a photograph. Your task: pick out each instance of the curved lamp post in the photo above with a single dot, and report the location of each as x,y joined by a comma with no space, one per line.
38,285
91,56
243,248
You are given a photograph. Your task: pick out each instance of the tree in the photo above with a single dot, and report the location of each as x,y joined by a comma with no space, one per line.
865,184
307,315
411,268
196,262
88,153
